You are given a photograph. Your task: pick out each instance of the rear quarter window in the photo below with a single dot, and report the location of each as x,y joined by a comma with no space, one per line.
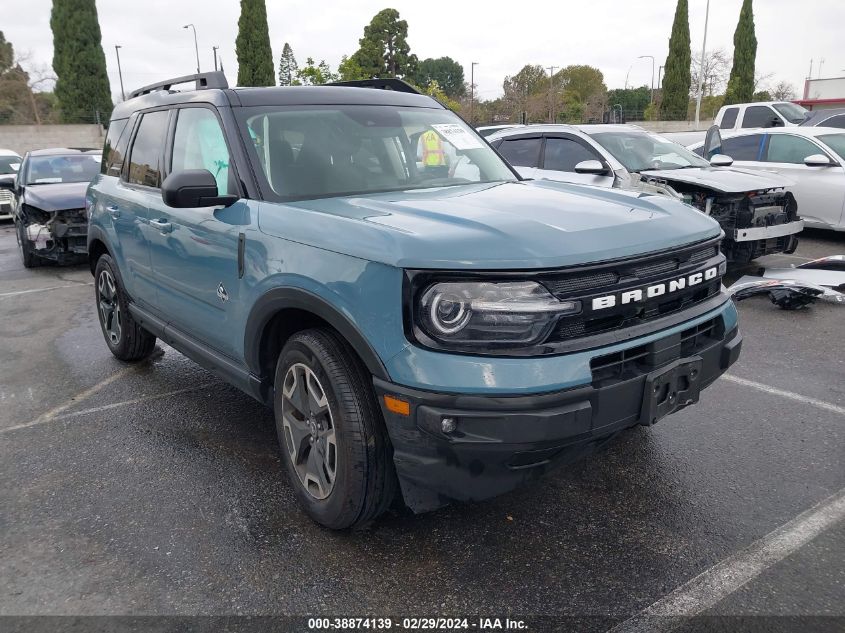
114,148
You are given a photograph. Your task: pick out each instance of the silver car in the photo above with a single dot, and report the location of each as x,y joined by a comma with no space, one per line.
759,216
812,157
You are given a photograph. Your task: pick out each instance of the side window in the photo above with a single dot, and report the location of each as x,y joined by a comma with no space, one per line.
199,144
521,152
835,121
145,159
115,148
743,147
758,116
729,118
562,154
786,148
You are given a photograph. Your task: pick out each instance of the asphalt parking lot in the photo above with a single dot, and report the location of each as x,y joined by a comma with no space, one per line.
158,489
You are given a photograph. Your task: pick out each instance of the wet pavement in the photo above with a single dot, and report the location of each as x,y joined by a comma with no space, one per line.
158,489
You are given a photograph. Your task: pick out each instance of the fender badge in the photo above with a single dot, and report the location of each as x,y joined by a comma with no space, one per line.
221,293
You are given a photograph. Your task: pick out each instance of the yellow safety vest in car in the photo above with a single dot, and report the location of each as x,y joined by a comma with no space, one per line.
433,154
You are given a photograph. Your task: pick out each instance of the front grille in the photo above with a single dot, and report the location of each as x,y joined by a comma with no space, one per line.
635,274
643,359
5,196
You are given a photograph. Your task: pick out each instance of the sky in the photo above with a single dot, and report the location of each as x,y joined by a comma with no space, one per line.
500,36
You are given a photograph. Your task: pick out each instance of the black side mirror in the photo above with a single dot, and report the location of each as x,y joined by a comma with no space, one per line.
776,122
193,188
7,181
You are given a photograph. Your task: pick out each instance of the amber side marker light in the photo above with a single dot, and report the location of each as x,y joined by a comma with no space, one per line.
395,405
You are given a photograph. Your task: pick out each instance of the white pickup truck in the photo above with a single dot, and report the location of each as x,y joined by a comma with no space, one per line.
761,114
732,118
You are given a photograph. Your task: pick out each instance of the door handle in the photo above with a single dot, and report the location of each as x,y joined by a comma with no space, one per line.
162,225
113,211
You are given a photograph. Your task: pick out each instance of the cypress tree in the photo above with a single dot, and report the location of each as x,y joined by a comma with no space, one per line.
287,66
82,84
741,82
677,77
255,56
384,49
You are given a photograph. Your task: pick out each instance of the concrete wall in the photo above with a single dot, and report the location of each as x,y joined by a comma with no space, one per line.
22,138
673,126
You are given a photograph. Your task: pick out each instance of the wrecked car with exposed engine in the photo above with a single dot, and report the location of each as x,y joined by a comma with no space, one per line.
756,211
48,204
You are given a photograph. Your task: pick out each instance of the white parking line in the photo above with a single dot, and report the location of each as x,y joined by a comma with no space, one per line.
821,404
26,292
724,578
82,395
105,407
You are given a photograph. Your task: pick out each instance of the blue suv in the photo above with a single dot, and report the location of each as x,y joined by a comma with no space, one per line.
426,325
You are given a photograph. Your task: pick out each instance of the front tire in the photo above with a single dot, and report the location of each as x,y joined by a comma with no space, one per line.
332,435
126,339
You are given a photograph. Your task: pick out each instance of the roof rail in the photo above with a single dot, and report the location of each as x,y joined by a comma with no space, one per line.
204,81
388,83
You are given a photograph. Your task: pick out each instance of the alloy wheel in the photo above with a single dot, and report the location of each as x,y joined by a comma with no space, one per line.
309,430
110,315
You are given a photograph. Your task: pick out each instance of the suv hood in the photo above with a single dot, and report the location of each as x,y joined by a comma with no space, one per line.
722,179
518,225
56,197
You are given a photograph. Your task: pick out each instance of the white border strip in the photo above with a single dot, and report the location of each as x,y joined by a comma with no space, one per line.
26,292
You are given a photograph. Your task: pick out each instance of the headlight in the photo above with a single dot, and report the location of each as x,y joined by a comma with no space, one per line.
473,314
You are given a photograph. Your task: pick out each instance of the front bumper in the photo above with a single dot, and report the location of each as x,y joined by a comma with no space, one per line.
768,232
502,442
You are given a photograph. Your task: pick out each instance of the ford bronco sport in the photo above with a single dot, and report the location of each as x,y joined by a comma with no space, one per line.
440,334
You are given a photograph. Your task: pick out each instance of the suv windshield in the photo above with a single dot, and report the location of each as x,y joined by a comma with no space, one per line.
45,170
319,151
638,151
791,112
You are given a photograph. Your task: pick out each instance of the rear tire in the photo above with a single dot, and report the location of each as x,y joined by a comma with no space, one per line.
126,339
331,431
30,259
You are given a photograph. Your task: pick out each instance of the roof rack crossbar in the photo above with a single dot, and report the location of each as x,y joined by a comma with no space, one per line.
389,83
204,81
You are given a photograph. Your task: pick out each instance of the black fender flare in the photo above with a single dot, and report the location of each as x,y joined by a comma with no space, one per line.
277,299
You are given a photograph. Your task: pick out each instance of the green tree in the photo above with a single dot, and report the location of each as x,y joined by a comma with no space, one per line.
287,66
349,70
741,82
384,50
82,84
446,72
521,90
584,82
433,89
634,101
677,78
314,74
255,56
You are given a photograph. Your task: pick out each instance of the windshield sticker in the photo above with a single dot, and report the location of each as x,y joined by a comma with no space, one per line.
46,181
457,136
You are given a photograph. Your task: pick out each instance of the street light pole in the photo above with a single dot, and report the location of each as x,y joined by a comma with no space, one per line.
552,117
119,71
196,47
214,50
701,70
472,91
652,73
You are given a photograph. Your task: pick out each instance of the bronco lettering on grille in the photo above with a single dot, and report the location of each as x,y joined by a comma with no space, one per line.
655,290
